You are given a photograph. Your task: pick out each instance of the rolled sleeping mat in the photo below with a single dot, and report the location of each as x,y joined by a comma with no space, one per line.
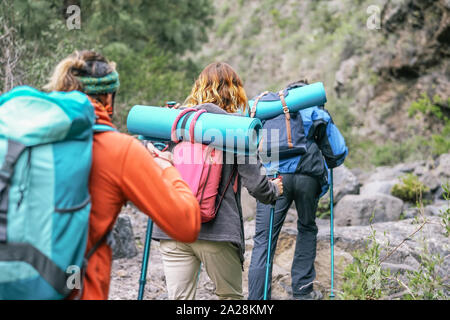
230,133
299,98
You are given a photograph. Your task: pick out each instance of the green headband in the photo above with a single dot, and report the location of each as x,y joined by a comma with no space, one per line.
107,84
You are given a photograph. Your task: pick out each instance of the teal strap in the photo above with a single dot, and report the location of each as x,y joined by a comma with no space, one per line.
98,128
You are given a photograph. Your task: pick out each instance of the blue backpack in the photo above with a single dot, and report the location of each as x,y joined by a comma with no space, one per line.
308,141
282,134
45,159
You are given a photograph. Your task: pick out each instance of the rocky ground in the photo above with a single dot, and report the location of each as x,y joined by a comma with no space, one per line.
357,195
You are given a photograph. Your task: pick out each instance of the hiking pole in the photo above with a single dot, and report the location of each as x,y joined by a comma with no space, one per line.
146,255
269,247
148,242
331,233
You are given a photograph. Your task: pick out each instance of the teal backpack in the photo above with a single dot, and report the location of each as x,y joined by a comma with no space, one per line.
45,160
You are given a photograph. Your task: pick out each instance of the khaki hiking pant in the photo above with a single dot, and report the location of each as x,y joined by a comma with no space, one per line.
181,262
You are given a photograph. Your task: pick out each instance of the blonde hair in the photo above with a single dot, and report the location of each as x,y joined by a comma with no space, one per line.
79,63
218,83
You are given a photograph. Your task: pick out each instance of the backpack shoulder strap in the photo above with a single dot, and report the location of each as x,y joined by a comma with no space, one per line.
174,137
108,238
288,118
193,122
226,188
98,128
13,153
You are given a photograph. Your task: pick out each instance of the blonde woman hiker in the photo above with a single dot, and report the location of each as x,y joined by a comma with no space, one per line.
220,245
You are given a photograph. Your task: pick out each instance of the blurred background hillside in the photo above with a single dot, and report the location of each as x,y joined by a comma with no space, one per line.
384,63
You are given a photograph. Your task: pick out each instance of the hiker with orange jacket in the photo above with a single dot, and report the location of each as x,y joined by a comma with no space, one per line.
122,170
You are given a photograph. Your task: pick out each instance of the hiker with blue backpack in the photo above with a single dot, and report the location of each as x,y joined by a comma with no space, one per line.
122,170
306,145
220,245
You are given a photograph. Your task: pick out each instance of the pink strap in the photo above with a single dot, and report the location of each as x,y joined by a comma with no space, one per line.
193,122
175,123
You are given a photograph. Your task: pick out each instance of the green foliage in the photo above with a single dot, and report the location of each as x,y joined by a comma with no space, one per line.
226,26
426,283
324,19
440,143
253,27
427,106
393,152
174,25
364,279
410,189
145,39
432,110
149,76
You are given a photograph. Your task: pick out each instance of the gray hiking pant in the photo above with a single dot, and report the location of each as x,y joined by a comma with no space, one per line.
303,190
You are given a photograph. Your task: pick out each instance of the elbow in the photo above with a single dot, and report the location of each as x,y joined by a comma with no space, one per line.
267,197
192,224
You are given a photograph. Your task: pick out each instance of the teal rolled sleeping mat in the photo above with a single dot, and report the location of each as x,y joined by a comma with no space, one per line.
299,98
229,133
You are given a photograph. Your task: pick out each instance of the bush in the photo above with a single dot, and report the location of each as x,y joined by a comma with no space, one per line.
431,108
364,279
427,106
440,143
410,189
426,283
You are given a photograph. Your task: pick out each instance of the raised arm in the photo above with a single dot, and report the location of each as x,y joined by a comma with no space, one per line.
161,194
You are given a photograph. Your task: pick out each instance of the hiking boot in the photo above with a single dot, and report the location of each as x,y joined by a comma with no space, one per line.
313,295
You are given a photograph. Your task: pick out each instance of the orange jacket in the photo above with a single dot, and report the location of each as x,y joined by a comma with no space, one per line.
123,170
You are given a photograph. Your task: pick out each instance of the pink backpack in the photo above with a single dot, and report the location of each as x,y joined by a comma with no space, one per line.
200,166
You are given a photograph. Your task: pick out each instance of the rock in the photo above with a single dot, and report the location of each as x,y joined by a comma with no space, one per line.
422,170
291,215
345,72
357,209
397,268
383,187
431,182
248,205
447,4
435,210
124,245
125,272
389,235
390,173
344,182
439,195
443,168
411,213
